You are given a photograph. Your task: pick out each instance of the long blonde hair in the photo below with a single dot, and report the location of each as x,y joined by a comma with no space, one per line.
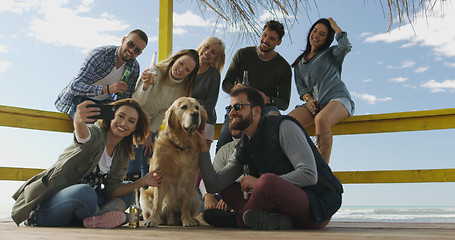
165,66
218,64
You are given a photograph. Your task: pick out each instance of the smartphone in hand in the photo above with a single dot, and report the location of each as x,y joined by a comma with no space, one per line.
107,112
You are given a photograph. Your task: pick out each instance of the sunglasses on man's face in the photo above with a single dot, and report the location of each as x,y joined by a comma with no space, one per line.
131,44
236,107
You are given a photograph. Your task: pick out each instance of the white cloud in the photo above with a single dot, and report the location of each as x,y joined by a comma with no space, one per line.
434,86
16,6
405,64
440,36
4,65
370,99
451,65
399,79
367,80
179,31
278,16
365,34
421,69
153,38
3,48
63,26
190,19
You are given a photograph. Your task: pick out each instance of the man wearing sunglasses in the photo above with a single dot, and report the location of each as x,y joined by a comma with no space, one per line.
266,70
99,76
286,182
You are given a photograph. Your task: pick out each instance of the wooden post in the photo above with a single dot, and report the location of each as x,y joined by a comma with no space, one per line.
165,29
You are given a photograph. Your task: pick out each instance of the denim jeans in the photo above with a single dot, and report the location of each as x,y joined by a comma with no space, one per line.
72,204
225,136
140,163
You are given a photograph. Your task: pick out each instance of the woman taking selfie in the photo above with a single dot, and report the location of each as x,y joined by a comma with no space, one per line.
85,185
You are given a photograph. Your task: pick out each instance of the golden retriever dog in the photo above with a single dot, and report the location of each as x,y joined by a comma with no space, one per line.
176,154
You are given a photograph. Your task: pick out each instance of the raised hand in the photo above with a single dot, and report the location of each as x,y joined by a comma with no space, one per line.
334,25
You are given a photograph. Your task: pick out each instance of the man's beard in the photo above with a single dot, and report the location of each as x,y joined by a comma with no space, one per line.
265,50
122,55
243,123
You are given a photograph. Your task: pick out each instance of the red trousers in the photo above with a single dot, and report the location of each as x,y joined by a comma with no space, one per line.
272,193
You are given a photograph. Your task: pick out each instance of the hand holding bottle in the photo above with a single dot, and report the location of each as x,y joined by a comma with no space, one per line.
148,79
149,75
125,78
118,87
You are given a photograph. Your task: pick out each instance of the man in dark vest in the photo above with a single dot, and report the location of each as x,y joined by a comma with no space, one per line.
286,185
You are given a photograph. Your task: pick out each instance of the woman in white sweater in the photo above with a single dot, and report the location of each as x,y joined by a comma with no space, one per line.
174,78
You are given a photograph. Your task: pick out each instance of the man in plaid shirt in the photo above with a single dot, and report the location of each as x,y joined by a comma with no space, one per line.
99,77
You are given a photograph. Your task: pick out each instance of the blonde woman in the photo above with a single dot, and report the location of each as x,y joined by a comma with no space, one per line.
207,84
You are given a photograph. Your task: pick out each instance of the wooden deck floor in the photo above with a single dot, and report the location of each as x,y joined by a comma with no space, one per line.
335,230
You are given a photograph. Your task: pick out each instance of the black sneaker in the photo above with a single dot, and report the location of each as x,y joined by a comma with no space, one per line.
219,218
262,220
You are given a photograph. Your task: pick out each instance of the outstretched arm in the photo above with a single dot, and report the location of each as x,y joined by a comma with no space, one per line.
153,179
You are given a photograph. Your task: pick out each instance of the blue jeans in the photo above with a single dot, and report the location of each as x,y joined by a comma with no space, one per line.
140,163
225,135
72,204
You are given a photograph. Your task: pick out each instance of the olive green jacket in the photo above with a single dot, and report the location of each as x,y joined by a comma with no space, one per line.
76,162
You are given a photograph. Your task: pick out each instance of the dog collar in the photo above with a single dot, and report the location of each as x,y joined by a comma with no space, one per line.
176,145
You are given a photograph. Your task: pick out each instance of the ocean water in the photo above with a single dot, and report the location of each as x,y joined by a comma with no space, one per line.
395,214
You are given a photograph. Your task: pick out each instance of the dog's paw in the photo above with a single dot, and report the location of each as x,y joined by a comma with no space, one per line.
190,222
152,222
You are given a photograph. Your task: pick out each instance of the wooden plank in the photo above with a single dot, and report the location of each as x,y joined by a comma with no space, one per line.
347,177
395,122
397,176
362,124
18,174
35,119
334,230
165,29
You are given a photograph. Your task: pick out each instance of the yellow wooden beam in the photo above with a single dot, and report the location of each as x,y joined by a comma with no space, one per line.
165,29
349,177
35,119
362,124
397,176
18,174
395,122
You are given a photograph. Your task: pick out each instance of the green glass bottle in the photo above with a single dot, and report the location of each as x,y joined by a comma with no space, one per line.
125,78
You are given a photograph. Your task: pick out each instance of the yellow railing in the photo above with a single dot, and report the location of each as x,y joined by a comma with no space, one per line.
374,123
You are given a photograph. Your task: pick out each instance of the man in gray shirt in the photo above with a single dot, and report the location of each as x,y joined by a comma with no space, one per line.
266,70
282,186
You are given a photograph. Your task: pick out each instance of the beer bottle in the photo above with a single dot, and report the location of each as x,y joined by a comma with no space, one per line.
125,78
135,211
245,81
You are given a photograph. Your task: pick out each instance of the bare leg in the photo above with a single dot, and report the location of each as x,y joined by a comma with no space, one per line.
303,115
330,115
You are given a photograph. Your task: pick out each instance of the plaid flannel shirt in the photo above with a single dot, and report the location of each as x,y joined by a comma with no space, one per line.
97,65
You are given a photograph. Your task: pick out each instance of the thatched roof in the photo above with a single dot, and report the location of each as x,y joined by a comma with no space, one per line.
243,15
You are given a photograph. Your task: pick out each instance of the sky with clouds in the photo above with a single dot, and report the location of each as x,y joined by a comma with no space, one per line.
409,68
